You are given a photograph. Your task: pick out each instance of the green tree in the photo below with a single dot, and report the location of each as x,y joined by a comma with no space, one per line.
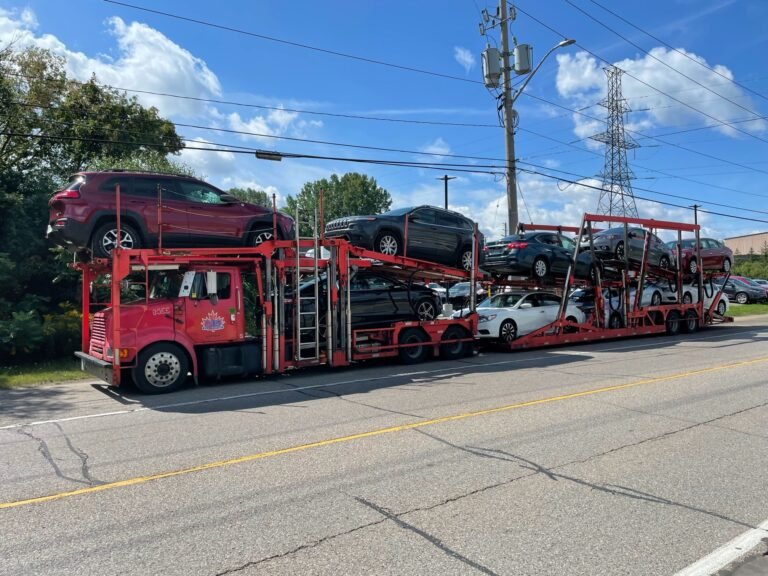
251,195
51,126
351,195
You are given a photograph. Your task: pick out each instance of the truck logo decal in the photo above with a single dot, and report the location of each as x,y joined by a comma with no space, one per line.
212,322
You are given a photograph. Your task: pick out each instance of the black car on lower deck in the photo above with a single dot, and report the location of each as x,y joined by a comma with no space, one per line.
535,254
432,234
376,299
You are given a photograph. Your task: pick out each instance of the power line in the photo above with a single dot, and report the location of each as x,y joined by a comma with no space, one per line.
291,43
628,41
601,59
275,108
467,168
681,52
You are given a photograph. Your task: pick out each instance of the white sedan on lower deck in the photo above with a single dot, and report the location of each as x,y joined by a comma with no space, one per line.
508,315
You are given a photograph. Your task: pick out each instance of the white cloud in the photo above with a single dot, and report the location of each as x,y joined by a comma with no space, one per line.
146,59
669,103
439,147
464,57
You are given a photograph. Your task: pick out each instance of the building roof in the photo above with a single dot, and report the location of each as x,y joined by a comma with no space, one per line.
746,235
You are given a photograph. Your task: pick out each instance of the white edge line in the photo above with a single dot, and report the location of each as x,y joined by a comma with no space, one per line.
330,385
727,553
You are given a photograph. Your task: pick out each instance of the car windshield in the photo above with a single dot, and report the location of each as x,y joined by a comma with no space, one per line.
398,211
749,282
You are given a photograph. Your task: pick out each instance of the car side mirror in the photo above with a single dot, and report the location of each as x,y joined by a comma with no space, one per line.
526,305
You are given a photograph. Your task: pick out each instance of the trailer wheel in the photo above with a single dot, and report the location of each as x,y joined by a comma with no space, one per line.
690,322
161,368
412,354
455,350
673,323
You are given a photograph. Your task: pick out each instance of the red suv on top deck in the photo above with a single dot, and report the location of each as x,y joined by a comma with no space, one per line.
82,215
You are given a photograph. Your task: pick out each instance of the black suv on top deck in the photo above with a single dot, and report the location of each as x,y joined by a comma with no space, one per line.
193,213
433,234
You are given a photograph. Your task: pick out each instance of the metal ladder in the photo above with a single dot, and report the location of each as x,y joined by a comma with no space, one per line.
307,341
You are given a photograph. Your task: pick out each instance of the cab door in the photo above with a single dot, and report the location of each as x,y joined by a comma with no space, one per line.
214,317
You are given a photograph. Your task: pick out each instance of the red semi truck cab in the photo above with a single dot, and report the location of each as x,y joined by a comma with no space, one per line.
182,313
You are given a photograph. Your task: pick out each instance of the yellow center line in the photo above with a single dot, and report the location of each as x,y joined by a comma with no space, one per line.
369,434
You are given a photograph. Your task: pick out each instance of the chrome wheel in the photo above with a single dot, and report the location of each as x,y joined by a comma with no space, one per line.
425,310
262,236
388,245
109,240
466,260
162,369
507,331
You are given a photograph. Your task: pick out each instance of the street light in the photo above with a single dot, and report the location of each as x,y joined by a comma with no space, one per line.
509,129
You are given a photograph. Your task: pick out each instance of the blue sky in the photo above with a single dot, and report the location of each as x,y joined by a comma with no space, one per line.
711,136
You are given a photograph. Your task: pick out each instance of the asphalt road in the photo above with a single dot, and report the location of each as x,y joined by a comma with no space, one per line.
633,457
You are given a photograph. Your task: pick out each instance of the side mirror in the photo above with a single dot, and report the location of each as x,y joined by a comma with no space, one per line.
526,305
211,287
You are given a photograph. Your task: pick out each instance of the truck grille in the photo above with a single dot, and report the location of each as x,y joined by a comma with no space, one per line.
339,224
98,334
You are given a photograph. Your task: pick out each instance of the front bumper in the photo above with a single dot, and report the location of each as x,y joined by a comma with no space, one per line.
355,237
95,367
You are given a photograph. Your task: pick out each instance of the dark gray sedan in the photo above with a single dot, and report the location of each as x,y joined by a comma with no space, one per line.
609,244
535,254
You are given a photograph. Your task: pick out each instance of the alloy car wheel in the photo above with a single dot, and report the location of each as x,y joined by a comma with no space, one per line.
425,310
466,260
540,268
726,265
260,236
742,298
105,239
387,244
507,331
664,262
693,266
656,299
687,298
721,308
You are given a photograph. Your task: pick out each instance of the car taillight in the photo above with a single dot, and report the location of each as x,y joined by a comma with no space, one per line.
518,245
67,194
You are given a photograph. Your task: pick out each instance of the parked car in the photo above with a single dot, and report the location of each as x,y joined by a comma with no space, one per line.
376,299
536,254
609,244
433,234
194,213
760,281
752,283
508,315
714,254
739,291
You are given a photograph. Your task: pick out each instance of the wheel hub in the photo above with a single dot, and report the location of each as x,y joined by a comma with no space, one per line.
162,369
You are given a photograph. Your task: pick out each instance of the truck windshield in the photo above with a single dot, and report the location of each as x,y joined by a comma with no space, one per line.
164,284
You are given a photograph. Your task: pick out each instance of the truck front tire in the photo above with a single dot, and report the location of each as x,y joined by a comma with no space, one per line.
161,368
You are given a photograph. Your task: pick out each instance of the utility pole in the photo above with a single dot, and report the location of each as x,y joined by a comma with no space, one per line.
509,124
445,179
